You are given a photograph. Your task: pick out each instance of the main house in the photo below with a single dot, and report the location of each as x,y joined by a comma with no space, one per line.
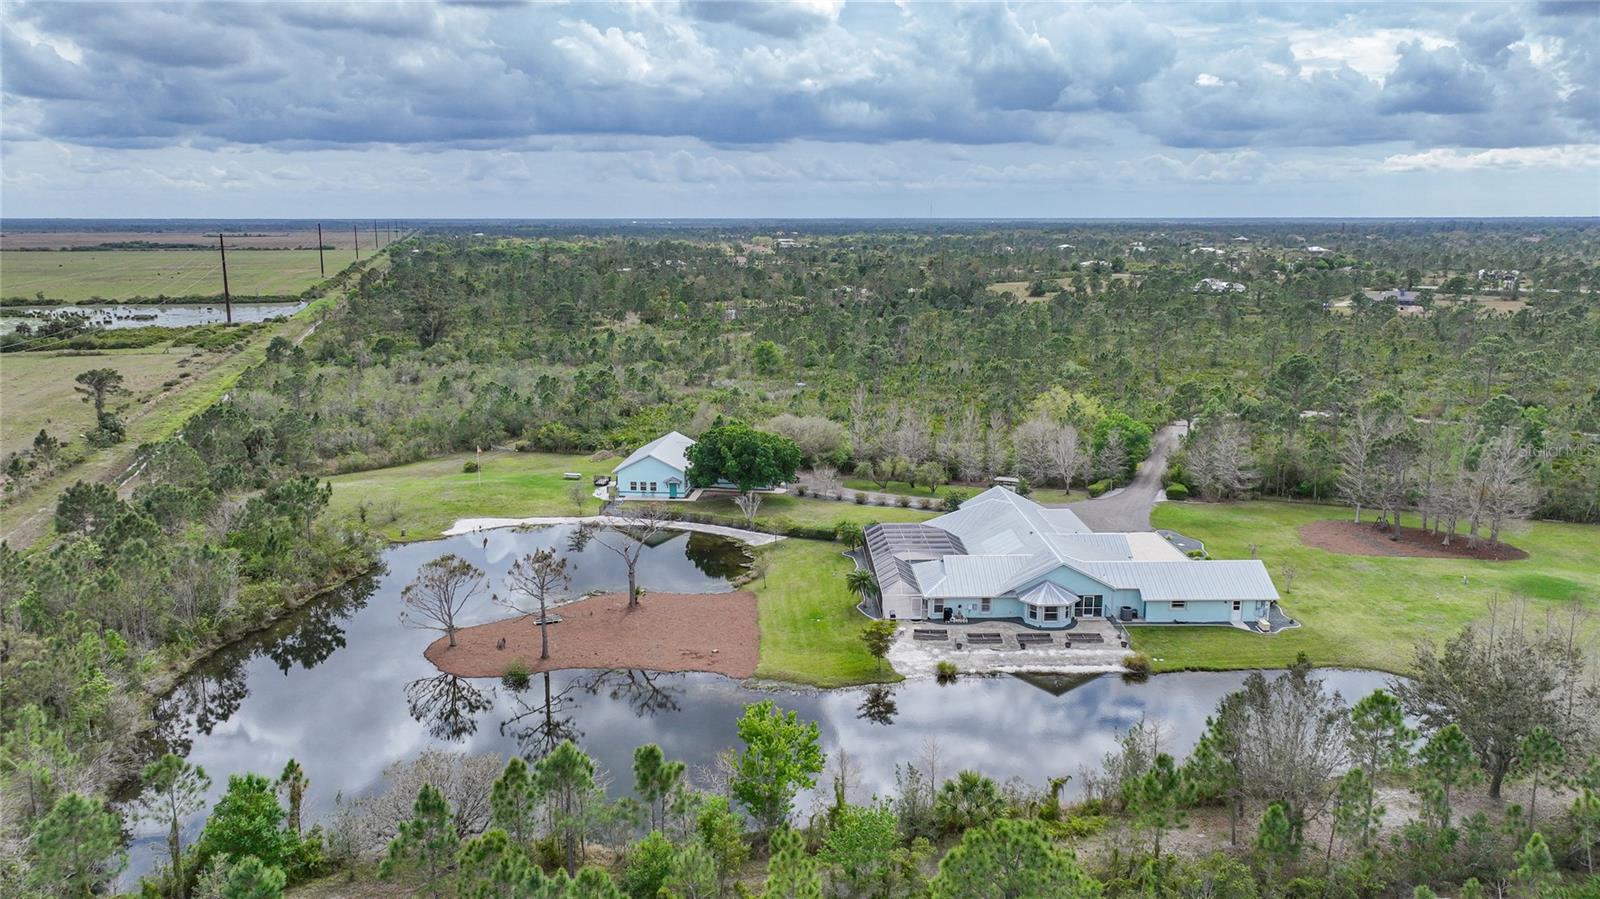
1002,555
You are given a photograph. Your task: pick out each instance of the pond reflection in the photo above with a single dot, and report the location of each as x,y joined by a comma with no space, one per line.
343,688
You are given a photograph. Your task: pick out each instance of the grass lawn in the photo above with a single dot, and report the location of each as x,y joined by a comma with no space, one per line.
125,274
37,389
1361,611
777,511
424,498
810,629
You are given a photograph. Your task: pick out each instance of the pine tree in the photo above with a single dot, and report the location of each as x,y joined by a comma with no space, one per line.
1275,842
1155,798
1355,814
493,866
1540,758
656,780
76,847
513,804
173,790
1585,815
1448,762
1010,859
564,779
1380,743
1536,873
247,820
694,874
722,833
293,783
426,844
791,873
251,878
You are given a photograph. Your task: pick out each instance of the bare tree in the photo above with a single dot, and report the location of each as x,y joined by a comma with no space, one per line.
579,496
961,445
638,523
1358,474
1503,484
1112,460
824,478
441,589
1217,460
749,502
994,450
538,577
817,437
1394,476
1067,458
1031,441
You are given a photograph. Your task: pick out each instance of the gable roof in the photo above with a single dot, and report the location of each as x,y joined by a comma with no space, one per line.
1189,579
669,448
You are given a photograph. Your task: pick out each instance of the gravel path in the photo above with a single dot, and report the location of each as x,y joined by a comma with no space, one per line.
469,525
1128,509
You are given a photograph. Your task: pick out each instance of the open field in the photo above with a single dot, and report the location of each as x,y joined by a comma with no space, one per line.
1361,611
214,374
124,274
810,629
255,238
418,501
37,390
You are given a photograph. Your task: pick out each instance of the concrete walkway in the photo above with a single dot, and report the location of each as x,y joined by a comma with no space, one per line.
1128,509
472,525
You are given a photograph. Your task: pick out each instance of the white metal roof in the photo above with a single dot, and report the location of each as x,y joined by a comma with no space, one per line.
1049,594
1189,579
668,448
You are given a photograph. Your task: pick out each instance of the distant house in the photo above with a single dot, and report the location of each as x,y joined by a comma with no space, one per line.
657,470
1217,285
1401,297
1003,556
660,470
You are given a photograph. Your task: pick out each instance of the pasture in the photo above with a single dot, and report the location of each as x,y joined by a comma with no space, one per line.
37,389
81,276
1362,611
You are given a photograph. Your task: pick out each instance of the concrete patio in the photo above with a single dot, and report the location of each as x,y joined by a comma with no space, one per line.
1095,645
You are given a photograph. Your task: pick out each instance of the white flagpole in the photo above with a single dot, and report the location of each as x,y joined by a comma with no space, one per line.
480,465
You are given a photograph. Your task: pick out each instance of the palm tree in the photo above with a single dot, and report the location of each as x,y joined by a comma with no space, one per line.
861,582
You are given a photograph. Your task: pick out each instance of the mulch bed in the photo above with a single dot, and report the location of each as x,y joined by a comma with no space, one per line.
1366,539
716,632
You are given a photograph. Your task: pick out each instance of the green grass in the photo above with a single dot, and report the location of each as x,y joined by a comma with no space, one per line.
124,274
418,501
900,488
424,498
1362,611
810,629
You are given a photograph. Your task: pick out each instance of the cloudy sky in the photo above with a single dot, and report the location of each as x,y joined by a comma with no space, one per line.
816,108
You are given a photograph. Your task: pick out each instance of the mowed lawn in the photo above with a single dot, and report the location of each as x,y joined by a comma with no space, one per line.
37,389
1362,611
810,629
77,276
418,501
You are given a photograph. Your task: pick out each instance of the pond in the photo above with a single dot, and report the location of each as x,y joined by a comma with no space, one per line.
174,315
342,687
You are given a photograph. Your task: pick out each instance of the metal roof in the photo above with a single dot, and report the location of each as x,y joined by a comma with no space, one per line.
669,448
1048,594
1163,581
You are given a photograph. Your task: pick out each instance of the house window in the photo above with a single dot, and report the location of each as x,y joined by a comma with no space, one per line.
938,607
652,486
1179,604
1033,612
1052,614
1091,607
983,604
1237,605
633,485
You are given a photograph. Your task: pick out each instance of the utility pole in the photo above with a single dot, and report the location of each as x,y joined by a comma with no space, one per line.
321,263
375,234
355,232
227,299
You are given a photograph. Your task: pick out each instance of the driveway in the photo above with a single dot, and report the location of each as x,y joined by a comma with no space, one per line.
1128,509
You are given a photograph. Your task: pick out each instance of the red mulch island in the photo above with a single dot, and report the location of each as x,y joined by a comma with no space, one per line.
715,632
1367,539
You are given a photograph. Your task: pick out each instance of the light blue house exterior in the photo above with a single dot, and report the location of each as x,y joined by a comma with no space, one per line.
1002,556
657,470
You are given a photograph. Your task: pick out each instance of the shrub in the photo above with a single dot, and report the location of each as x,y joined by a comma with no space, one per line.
946,672
1099,487
1196,554
1023,487
469,466
801,490
1177,492
905,502
861,498
1137,663
953,500
516,676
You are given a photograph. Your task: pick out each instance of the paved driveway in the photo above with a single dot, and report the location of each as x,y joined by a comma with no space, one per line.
1128,509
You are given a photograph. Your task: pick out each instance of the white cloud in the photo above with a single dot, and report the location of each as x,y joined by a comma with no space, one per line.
1446,159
